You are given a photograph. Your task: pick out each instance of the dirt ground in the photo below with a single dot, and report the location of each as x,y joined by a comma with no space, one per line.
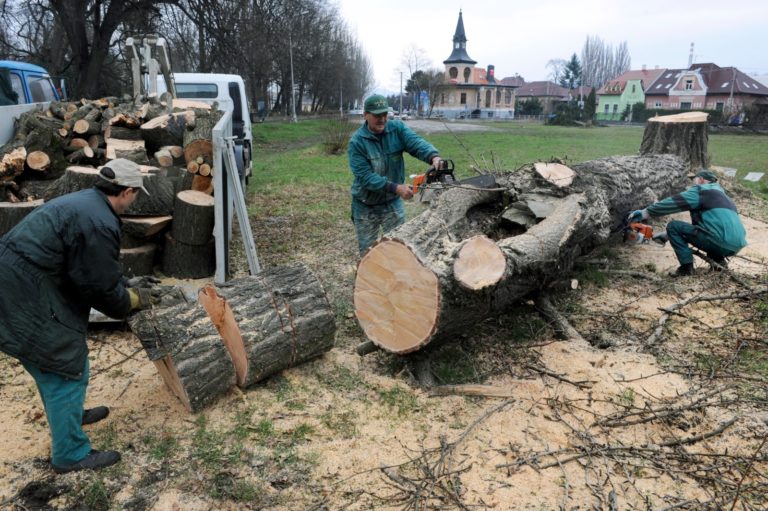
612,421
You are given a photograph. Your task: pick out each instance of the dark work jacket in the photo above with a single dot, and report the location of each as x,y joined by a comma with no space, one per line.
56,264
377,160
712,212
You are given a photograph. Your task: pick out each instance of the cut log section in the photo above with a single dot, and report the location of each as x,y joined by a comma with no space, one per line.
422,282
11,213
185,261
187,352
12,164
684,135
202,183
144,227
193,218
133,150
138,260
38,161
271,321
167,130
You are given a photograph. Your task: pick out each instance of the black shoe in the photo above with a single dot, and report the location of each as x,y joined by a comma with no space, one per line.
720,263
94,461
91,415
685,270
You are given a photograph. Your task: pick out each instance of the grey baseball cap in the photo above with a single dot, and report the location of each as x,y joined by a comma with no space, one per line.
125,172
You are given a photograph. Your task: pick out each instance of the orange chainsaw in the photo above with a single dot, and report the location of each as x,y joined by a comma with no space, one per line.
443,173
636,232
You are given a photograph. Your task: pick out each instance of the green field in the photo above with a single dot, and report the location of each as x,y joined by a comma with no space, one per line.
288,154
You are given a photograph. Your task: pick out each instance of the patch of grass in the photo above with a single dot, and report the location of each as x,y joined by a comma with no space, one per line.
342,378
105,438
287,393
754,362
342,423
593,276
213,448
399,399
161,447
225,486
96,496
626,397
452,366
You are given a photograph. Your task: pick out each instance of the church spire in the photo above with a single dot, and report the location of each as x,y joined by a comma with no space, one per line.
459,54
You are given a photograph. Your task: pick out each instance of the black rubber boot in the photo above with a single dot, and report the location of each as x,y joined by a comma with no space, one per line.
721,263
96,460
685,270
91,415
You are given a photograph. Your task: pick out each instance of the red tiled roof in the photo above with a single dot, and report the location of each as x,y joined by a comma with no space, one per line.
541,89
617,85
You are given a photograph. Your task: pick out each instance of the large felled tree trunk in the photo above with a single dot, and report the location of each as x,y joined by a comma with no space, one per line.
475,252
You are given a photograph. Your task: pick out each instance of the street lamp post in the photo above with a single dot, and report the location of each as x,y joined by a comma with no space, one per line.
293,85
401,93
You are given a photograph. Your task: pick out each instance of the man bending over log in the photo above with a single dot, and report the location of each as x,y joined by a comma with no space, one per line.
56,264
376,159
716,227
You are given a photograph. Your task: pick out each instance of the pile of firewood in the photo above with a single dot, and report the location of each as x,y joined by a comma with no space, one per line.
58,150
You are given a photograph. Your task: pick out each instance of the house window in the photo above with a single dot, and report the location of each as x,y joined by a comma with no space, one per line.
442,98
689,84
463,98
633,88
467,72
685,105
498,96
657,105
615,108
606,108
477,100
488,99
453,73
508,97
719,106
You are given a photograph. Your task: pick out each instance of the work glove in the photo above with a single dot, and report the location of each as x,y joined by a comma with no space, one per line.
143,297
638,215
661,237
142,281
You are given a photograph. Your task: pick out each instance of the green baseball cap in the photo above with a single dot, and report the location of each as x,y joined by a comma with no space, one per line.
706,174
376,104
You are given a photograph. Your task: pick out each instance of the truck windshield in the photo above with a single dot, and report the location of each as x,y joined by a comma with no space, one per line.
41,89
197,90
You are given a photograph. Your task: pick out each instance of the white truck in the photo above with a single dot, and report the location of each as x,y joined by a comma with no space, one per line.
228,91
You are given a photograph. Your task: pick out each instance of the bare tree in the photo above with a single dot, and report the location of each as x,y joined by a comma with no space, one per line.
556,69
600,62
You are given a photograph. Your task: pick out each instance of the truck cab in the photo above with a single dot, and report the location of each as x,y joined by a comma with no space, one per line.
31,83
229,92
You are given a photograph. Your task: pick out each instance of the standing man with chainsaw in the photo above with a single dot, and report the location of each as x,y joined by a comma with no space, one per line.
716,227
376,159
56,264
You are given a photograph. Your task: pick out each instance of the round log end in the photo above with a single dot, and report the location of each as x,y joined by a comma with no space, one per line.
479,264
396,298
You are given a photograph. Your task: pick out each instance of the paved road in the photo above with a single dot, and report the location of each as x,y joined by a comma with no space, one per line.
434,126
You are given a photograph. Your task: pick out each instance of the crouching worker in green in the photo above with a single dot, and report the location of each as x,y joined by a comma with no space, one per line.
56,264
716,227
376,159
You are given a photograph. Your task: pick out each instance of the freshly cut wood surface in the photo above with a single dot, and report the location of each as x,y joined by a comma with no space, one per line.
556,173
190,103
224,321
480,263
684,117
116,147
396,297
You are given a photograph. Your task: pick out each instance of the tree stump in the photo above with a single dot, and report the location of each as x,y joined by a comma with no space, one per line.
11,213
442,272
684,135
193,218
271,321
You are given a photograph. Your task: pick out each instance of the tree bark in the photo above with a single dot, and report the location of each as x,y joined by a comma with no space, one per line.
442,271
167,130
271,321
11,213
684,135
193,218
138,260
185,261
187,352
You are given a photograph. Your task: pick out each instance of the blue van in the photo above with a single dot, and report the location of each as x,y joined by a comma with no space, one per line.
30,83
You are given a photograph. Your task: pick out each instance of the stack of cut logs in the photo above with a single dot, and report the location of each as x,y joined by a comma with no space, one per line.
58,150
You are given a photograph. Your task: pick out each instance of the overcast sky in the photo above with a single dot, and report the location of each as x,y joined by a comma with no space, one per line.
522,36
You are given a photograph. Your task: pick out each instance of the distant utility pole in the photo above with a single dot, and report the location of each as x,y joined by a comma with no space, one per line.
401,93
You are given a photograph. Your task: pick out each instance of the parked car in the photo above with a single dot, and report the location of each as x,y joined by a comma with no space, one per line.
405,116
356,111
391,113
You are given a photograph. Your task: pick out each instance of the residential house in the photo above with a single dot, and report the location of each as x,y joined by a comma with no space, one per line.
706,87
470,91
548,93
624,90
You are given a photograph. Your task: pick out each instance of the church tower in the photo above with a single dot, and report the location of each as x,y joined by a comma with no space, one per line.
459,66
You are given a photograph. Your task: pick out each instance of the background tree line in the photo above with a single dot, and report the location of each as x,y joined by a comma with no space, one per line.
84,42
